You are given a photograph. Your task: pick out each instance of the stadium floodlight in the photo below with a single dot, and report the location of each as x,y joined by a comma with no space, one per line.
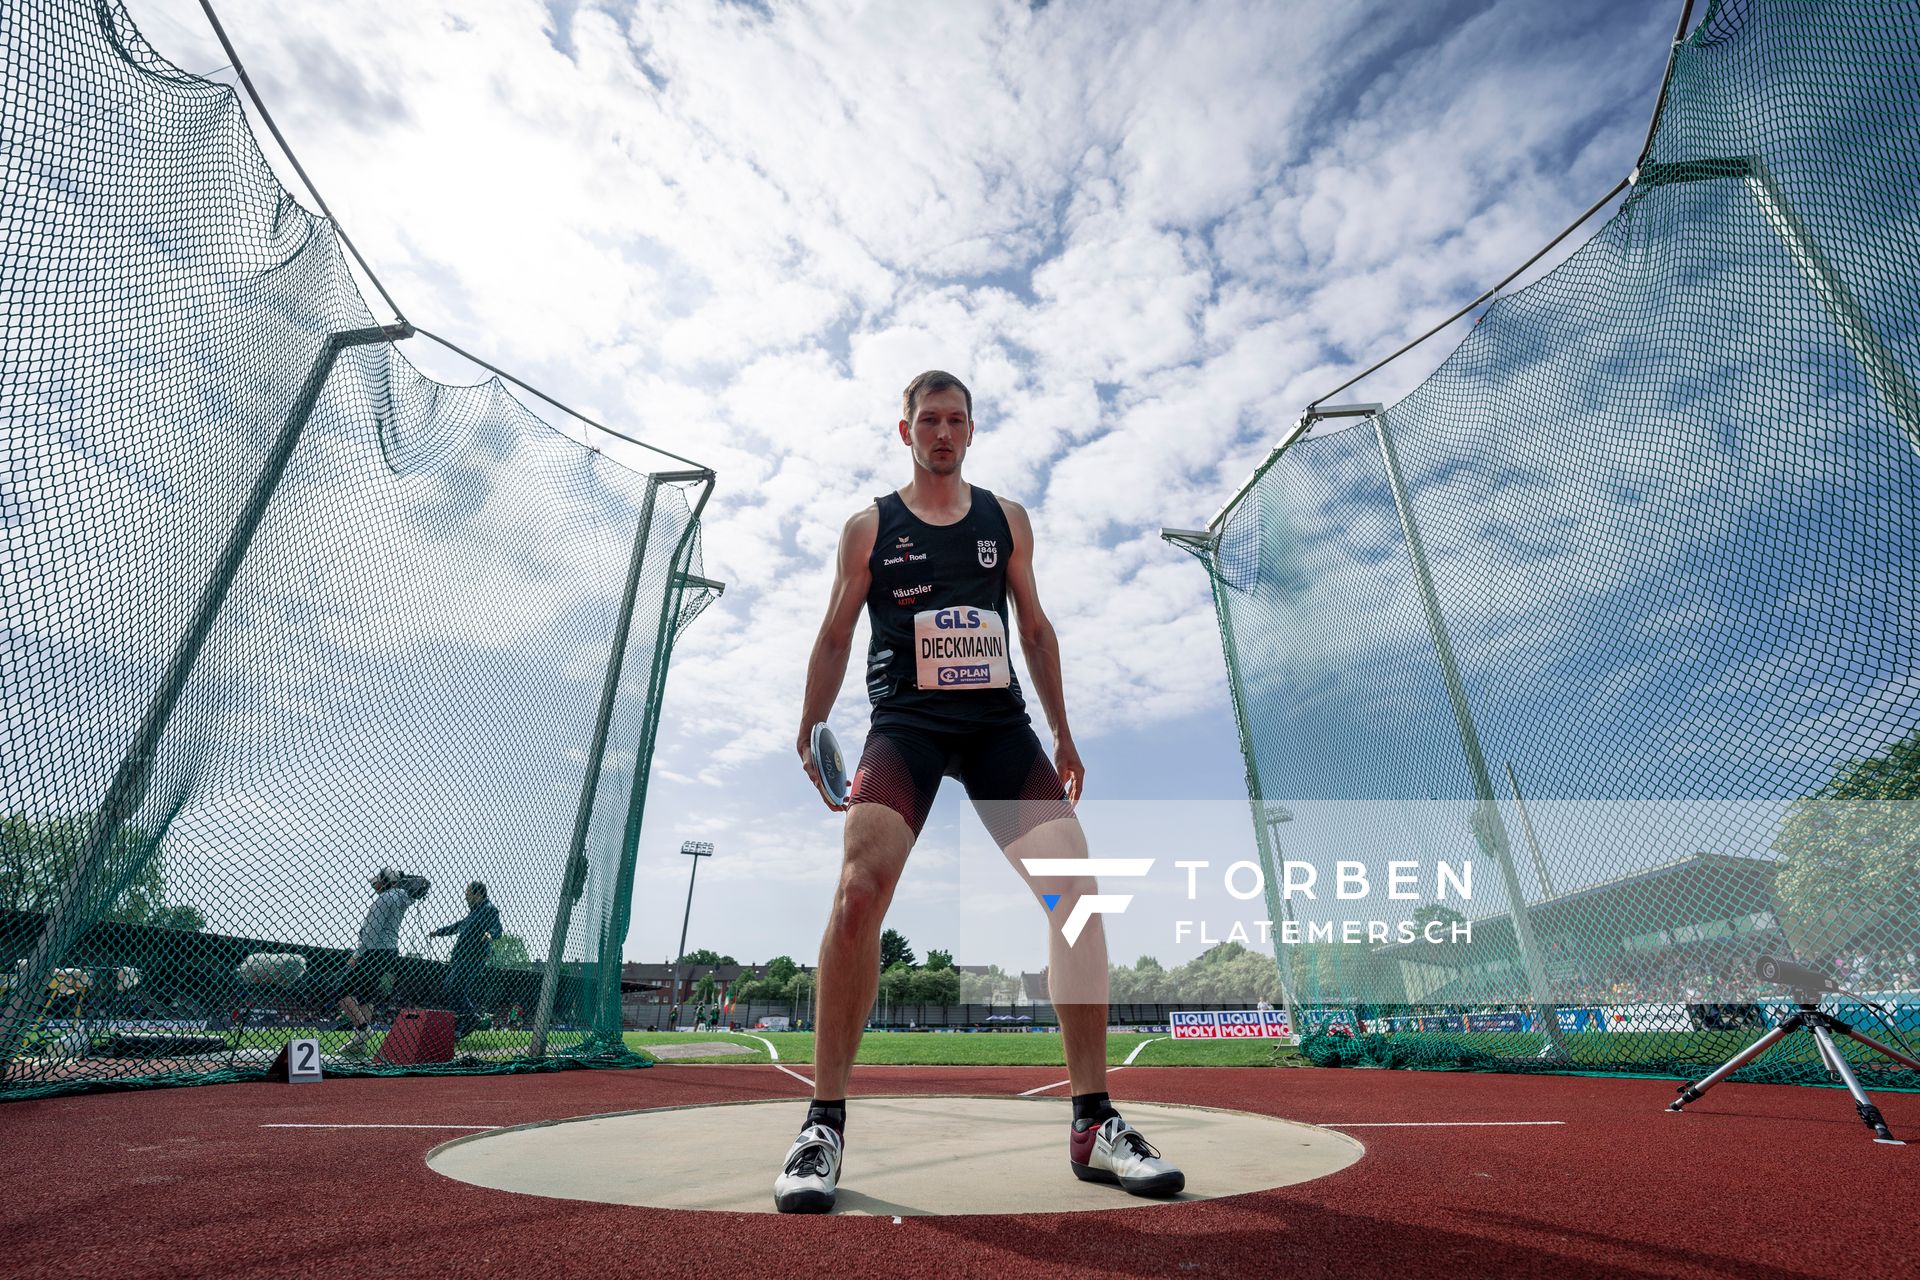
1883,370
1276,814
695,849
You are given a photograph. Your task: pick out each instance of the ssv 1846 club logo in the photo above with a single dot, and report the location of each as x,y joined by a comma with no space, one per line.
989,552
1093,904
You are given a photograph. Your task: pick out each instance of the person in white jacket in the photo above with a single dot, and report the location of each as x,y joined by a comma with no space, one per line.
371,967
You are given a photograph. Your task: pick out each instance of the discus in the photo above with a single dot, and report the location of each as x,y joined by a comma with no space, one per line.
831,765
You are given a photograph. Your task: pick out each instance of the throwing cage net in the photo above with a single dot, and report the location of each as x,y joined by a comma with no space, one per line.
281,612
1618,608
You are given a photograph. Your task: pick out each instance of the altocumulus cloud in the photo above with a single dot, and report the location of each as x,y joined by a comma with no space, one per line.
1147,234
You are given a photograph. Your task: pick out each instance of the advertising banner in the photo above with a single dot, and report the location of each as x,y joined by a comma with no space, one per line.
1230,1024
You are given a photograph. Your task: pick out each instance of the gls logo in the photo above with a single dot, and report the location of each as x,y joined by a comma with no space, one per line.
1092,904
957,619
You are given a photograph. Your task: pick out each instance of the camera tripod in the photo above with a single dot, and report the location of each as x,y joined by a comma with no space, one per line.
1823,1027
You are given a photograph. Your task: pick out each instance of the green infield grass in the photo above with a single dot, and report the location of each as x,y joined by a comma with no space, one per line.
980,1049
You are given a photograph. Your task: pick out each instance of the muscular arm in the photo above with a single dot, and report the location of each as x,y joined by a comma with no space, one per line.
1041,647
827,666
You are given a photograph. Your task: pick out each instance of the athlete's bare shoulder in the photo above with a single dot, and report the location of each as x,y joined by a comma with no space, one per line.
1017,520
862,527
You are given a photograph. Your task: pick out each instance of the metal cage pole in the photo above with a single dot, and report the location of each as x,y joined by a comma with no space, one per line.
1489,827
678,578
128,789
1204,544
573,879
1882,369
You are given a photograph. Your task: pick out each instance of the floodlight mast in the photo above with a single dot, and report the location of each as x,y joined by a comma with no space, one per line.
1277,903
695,849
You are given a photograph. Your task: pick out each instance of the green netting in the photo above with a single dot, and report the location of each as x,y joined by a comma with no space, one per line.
1620,603
280,611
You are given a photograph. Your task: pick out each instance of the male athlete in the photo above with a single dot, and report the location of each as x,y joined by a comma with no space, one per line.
935,564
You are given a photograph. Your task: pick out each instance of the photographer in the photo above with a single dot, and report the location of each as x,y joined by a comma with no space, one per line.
371,968
473,937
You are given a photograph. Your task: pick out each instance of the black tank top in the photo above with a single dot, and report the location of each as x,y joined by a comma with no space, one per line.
941,653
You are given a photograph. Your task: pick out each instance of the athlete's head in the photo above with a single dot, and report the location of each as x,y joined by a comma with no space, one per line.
937,421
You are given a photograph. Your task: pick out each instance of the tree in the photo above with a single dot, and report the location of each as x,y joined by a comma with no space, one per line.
37,857
896,983
1434,913
994,986
1849,871
706,955
939,960
1145,983
934,986
510,952
894,950
781,969
1227,973
703,990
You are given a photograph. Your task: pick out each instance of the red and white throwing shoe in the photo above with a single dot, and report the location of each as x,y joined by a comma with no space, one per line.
1114,1151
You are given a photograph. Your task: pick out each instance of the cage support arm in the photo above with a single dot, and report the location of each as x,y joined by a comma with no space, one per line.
69,916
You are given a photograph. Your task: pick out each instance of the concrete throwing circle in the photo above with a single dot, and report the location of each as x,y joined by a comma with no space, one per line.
909,1156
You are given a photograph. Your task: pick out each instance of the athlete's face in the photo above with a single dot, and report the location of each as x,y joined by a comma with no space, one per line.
940,431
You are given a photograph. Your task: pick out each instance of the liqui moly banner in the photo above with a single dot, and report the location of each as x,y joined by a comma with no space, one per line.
1230,1024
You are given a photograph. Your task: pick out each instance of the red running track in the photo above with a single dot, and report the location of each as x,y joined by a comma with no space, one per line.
1756,1181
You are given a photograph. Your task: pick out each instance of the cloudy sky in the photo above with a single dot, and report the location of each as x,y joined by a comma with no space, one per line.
1147,235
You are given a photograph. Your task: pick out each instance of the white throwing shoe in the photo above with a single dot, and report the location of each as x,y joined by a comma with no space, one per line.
812,1172
1115,1152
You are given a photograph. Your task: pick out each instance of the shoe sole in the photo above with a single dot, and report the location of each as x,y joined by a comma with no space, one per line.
1161,1184
806,1201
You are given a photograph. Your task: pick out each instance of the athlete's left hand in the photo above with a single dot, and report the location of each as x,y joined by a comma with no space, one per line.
1066,763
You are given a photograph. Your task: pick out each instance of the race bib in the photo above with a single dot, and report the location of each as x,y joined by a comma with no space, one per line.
960,649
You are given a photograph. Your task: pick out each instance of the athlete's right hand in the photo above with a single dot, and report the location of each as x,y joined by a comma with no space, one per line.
805,748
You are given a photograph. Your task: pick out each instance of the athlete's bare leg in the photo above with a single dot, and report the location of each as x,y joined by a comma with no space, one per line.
877,841
1077,974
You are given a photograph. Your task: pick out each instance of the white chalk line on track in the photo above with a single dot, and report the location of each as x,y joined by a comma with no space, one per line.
1110,1070
1137,1048
380,1126
771,1051
1429,1124
1057,1083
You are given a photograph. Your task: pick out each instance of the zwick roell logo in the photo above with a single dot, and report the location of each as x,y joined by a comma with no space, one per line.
1087,905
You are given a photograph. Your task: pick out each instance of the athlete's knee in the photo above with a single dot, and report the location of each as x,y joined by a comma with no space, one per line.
861,899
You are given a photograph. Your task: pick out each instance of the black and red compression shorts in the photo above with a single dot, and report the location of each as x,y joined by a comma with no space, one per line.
1007,775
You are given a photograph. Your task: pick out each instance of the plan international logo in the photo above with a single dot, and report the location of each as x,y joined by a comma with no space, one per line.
1092,904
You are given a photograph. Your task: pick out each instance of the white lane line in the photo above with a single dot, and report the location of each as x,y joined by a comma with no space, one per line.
1428,1124
773,1052
1057,1083
1137,1048
379,1126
